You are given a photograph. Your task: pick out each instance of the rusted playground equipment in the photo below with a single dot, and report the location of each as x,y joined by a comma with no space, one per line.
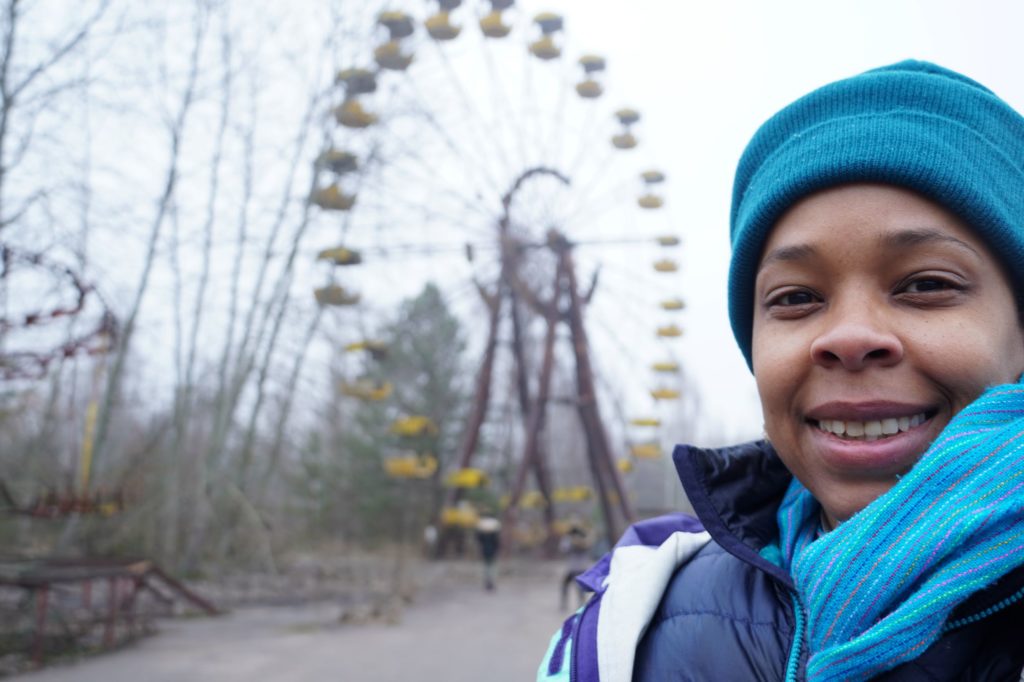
80,602
31,358
88,600
55,504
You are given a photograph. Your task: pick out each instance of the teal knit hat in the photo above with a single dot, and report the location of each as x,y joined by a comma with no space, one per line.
912,124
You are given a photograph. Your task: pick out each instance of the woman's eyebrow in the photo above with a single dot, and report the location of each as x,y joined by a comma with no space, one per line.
923,235
899,239
787,254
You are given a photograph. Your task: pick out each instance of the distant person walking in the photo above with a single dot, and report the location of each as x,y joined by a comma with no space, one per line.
488,535
430,541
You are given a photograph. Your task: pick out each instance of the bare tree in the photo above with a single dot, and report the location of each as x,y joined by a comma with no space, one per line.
33,77
176,131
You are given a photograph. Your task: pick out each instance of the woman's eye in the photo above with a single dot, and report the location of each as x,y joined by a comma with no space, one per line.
793,298
922,286
791,303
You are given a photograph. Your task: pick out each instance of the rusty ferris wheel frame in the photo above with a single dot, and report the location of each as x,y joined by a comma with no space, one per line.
479,157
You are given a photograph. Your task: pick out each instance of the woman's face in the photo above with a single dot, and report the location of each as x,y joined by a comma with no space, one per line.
878,316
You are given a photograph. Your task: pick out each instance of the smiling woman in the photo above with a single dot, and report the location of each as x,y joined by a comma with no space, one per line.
877,532
879,315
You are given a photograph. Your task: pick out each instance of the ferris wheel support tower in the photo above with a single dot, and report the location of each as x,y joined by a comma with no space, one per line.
565,306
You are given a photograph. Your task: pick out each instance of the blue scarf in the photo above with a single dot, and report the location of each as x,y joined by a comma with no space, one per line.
877,590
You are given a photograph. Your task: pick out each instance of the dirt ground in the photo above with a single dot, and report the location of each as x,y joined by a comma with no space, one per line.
458,633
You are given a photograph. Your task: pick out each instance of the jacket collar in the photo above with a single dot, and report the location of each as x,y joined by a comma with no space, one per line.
736,492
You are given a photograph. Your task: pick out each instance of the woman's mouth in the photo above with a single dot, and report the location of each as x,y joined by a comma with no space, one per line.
872,429
871,438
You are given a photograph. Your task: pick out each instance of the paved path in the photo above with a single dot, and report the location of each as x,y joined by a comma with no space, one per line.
468,635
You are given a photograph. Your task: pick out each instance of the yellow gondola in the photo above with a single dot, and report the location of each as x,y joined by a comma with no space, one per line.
440,27
673,304
666,367
337,161
589,87
367,390
331,198
665,394
411,466
624,465
650,201
335,295
351,114
646,450
670,331
414,426
668,240
545,48
645,421
666,265
339,255
626,139
390,56
467,478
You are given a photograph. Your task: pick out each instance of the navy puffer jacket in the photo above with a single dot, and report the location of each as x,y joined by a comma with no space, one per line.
722,612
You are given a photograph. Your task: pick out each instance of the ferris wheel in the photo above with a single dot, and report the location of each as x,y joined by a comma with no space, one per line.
481,147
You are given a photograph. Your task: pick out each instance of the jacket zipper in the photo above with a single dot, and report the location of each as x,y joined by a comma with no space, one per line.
796,651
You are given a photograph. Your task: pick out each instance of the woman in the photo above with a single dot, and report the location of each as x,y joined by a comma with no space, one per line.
878,531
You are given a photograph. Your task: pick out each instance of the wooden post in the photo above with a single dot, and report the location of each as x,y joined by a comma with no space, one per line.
108,634
42,603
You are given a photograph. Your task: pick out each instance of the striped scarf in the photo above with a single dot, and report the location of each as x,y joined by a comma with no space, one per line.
878,589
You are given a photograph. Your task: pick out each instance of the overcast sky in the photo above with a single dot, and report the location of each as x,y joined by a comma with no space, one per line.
703,75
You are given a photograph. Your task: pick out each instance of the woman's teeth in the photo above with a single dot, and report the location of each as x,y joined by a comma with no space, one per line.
872,429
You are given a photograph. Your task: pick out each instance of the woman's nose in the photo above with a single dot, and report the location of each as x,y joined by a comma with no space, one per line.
855,342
